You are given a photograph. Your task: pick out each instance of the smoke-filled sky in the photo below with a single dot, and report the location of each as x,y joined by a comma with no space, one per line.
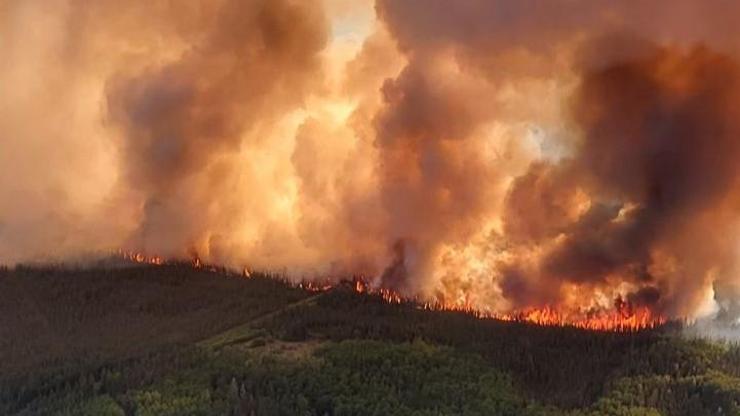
493,153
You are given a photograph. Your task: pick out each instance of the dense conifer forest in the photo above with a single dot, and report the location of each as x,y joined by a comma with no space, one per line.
176,340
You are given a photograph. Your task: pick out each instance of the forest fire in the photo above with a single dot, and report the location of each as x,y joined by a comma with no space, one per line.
448,158
605,320
614,320
545,193
623,317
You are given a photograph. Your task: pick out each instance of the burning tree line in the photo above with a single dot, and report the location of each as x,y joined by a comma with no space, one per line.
623,317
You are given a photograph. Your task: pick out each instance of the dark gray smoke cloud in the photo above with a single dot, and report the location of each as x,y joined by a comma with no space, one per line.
658,161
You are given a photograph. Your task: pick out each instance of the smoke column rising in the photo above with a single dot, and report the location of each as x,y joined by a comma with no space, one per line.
503,155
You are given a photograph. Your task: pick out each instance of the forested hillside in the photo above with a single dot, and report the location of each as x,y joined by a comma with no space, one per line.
175,340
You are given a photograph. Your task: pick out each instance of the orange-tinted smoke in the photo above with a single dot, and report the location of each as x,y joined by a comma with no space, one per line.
657,161
251,62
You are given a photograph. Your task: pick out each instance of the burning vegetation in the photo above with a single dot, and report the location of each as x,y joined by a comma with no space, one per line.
624,317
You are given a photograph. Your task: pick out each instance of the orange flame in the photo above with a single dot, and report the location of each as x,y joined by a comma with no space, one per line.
623,318
606,320
140,258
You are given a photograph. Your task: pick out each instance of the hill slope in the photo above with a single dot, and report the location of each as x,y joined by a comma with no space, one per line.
158,340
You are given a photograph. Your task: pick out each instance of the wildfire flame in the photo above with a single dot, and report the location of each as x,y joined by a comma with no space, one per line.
140,258
622,318
609,320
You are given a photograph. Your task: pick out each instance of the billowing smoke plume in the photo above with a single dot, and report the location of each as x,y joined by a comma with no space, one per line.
182,120
654,180
490,153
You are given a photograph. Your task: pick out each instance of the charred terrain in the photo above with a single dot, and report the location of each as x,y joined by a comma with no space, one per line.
177,340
